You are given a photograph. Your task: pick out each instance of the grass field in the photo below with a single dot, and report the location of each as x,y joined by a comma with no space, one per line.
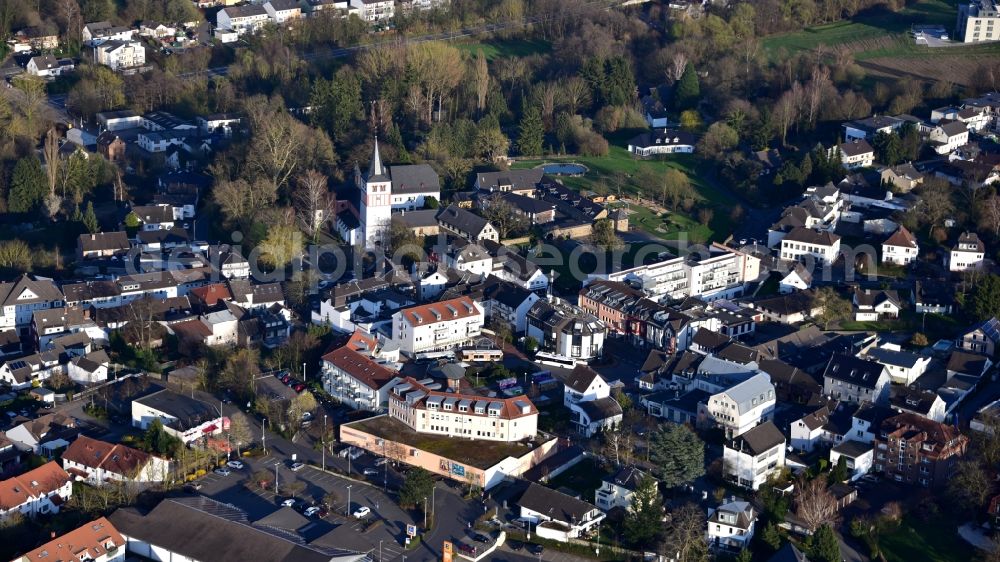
935,541
500,49
620,163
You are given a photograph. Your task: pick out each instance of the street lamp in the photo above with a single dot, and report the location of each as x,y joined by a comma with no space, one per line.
324,442
348,510
425,512
304,379
263,435
380,550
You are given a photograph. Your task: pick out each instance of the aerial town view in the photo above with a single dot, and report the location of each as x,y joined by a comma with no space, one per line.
500,280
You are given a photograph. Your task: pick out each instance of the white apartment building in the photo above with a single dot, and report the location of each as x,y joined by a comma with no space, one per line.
719,272
374,11
978,20
281,11
248,18
741,407
21,298
947,137
436,326
565,329
731,525
462,415
750,459
352,376
120,55
802,242
856,154
617,490
37,492
901,248
967,254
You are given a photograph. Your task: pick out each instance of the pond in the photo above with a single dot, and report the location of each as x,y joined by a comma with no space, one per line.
565,169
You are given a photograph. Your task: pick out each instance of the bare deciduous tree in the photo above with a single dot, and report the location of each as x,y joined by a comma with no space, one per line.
313,202
502,215
677,65
814,503
481,80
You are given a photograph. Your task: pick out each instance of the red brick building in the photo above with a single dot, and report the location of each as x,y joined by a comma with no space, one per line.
915,450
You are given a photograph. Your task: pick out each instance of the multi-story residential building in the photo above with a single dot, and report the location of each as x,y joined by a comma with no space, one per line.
47,66
741,407
436,326
901,248
751,458
968,253
508,303
802,242
731,525
856,154
96,541
98,462
948,136
565,329
248,18
374,11
353,376
617,489
978,20
37,492
718,272
98,32
588,397
850,379
610,302
468,416
20,299
282,11
904,367
915,450
983,338
120,55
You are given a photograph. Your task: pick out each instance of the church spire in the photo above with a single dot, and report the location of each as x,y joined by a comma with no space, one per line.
376,168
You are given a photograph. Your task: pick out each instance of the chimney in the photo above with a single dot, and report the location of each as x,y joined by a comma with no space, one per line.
93,237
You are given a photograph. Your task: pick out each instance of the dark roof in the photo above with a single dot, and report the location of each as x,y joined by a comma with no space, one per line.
664,137
967,363
527,205
853,449
758,440
788,553
799,301
601,409
415,178
581,378
556,505
462,220
245,11
283,4
201,528
870,298
627,477
103,241
971,238
809,236
895,358
709,340
188,411
506,293
176,235
520,180
852,370
414,219
952,128
154,213
912,399
856,148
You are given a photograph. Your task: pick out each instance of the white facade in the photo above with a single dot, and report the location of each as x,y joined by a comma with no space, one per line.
899,255
143,415
33,492
978,20
742,407
280,12
437,326
752,471
824,247
376,202
731,525
373,11
858,459
242,19
121,55
967,254
947,140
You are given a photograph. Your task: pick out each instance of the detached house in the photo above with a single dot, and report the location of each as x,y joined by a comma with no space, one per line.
856,154
248,18
967,254
903,177
37,492
731,525
904,367
750,459
901,248
870,306
617,490
947,136
47,66
102,245
983,338
22,297
741,407
588,397
557,516
96,541
97,462
802,242
663,141
120,55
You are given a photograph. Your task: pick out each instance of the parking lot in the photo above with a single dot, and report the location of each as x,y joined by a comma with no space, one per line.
343,529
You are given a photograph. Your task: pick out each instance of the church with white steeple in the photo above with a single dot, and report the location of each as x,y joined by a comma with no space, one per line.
375,207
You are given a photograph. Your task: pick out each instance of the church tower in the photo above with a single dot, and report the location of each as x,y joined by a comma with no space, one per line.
376,201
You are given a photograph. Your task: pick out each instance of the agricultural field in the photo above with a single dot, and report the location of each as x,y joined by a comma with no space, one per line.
499,49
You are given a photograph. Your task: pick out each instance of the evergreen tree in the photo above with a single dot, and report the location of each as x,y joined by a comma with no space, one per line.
531,132
984,301
677,453
840,472
90,219
619,83
642,522
27,186
687,92
417,486
823,546
888,148
772,537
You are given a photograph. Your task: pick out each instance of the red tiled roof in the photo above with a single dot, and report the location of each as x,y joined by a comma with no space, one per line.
462,307
112,457
902,237
17,490
360,366
89,541
212,294
509,410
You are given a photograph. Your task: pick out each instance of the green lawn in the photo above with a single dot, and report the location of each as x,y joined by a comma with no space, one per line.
934,541
499,49
934,326
620,163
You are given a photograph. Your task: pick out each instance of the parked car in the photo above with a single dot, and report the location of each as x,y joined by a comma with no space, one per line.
289,502
238,465
299,387
193,487
536,549
296,466
515,545
381,461
311,511
362,512
466,549
370,472
479,537
222,471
